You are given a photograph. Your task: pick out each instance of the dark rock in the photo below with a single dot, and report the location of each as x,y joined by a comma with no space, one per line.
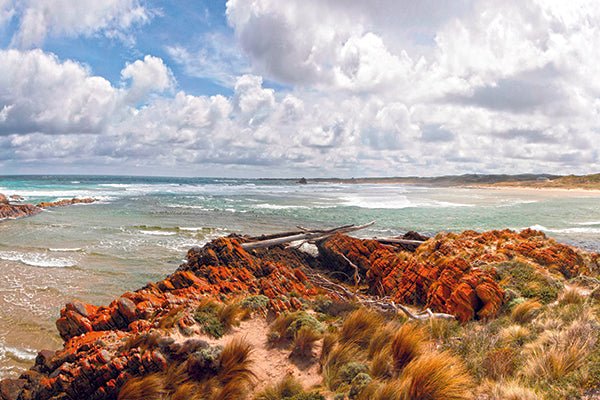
302,181
10,389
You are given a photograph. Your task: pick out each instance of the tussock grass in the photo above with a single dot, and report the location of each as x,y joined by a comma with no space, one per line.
507,390
555,361
571,295
381,365
338,357
305,340
443,329
390,390
381,339
514,335
359,326
151,387
407,344
287,387
217,319
228,377
500,363
436,376
287,326
526,311
329,342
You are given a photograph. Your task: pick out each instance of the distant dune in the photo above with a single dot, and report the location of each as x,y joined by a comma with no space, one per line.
541,181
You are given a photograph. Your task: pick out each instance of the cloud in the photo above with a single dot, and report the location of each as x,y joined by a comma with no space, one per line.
217,58
484,86
38,19
39,93
147,76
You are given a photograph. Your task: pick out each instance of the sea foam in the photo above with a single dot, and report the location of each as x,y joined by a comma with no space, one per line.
37,259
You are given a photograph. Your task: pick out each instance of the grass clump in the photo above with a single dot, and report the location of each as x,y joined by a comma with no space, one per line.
305,340
526,311
571,295
287,389
514,335
436,376
217,319
507,390
339,356
228,377
359,326
500,363
287,326
407,344
381,339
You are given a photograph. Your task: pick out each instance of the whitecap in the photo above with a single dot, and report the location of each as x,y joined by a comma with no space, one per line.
21,355
279,206
37,259
158,233
588,223
65,249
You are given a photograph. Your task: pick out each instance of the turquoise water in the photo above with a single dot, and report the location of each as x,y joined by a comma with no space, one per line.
141,228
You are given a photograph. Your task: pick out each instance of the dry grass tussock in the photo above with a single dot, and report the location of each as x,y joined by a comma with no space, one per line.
359,327
571,295
407,344
526,311
190,380
436,376
287,387
506,390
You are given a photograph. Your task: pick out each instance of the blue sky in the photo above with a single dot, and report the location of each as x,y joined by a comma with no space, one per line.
301,87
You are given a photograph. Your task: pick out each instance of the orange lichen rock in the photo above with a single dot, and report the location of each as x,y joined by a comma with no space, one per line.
133,336
451,273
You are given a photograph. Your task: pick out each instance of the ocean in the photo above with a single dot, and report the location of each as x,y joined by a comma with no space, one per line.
141,227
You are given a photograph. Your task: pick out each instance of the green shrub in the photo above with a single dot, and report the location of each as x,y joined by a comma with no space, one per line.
528,281
255,303
349,371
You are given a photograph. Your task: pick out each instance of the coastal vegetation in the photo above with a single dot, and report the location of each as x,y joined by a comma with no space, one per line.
278,322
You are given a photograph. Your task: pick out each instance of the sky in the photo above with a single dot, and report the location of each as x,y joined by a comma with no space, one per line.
271,88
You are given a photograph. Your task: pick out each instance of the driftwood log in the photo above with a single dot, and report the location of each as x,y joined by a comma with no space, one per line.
314,235
307,235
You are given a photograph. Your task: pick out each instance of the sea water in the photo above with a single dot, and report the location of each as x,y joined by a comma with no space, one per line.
141,228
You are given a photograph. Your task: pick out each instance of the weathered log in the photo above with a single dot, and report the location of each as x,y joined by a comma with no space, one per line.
305,235
399,241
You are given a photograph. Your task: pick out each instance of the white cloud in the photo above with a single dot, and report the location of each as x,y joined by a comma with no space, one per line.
384,88
38,19
39,93
147,76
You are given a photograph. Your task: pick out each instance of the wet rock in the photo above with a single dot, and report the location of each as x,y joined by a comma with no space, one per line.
65,202
12,211
3,199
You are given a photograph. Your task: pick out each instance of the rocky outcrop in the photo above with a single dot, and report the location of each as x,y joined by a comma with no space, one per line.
65,202
12,211
451,273
105,346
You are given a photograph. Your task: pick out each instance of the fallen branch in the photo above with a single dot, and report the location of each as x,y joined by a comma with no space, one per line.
304,235
399,241
382,304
